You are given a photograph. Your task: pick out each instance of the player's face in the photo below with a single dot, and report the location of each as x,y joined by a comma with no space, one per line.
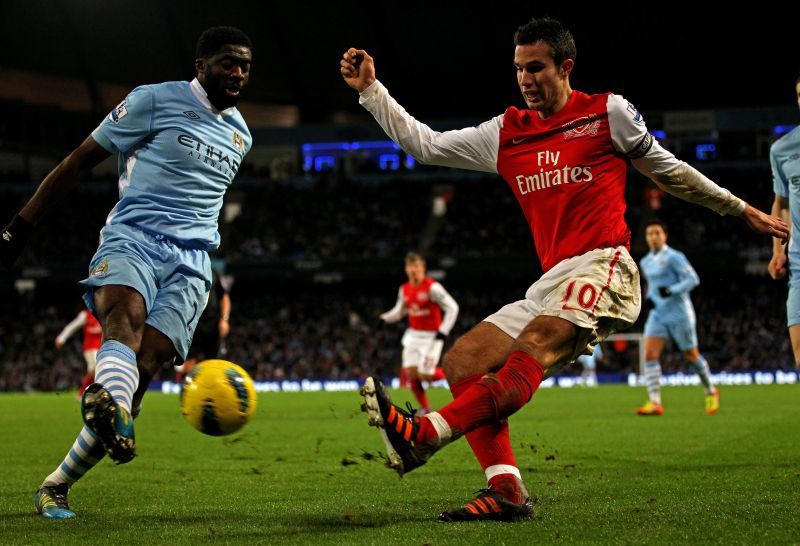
656,237
225,74
544,86
415,270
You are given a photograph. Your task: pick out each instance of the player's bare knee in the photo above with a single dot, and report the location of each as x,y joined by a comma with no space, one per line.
411,374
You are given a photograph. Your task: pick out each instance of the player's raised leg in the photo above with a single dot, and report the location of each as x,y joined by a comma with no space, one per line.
107,403
488,399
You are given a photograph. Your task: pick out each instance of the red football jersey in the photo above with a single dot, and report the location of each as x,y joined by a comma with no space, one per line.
567,176
423,313
92,333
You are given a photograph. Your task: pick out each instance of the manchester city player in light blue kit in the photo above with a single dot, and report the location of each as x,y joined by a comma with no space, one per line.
784,157
670,277
179,145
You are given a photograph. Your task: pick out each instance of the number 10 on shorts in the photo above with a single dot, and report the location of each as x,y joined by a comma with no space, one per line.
582,294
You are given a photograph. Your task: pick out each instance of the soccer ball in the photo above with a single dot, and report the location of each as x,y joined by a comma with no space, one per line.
218,397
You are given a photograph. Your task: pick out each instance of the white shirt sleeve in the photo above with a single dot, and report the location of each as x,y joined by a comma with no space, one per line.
72,327
630,137
396,313
443,299
473,148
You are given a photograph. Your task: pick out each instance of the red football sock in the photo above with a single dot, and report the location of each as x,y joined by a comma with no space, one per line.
495,396
439,375
419,393
490,443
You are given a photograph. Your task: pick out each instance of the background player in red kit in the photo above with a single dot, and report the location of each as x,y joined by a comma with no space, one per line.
92,339
423,300
564,157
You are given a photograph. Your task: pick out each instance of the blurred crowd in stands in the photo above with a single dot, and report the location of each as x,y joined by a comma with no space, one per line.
332,331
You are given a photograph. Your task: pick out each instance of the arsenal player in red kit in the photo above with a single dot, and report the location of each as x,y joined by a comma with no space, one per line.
92,339
565,158
424,301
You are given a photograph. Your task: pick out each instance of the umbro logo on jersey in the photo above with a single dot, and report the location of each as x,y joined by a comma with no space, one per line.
191,115
6,235
794,157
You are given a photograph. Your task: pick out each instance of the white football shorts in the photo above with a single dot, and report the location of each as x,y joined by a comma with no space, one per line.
597,291
421,350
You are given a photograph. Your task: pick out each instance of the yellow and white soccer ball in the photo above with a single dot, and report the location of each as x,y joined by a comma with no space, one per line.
218,397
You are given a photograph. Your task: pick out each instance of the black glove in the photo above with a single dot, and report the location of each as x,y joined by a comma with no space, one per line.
13,239
647,305
440,336
664,291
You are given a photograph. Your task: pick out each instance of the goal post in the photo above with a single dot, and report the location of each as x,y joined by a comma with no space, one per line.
631,336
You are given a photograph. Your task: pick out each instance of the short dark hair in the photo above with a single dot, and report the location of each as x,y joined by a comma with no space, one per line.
414,257
551,32
212,40
656,222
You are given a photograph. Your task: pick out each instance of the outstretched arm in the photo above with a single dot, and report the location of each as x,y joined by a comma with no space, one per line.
473,148
52,190
630,137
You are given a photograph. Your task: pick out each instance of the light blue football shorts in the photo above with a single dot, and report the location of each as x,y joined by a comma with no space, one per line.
173,281
683,333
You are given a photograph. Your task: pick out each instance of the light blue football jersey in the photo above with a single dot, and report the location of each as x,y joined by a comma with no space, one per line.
669,267
784,158
177,156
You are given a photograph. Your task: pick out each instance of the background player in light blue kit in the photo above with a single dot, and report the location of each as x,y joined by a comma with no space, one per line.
784,157
670,277
180,145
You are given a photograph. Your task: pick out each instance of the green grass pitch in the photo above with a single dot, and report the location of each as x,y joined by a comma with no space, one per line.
304,471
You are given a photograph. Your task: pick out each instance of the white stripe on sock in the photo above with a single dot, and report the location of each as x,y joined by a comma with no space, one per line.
441,427
115,372
497,469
